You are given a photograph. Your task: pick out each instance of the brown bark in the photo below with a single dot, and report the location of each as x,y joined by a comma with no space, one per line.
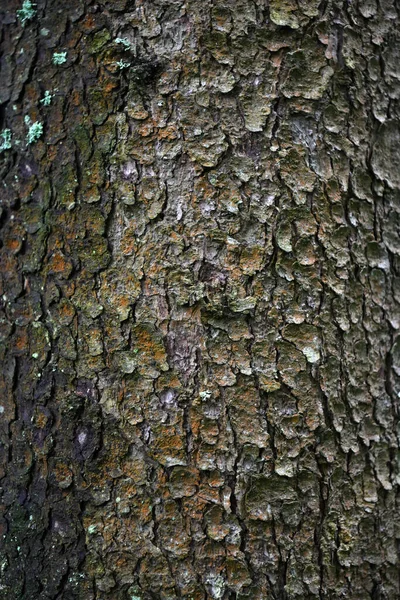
200,218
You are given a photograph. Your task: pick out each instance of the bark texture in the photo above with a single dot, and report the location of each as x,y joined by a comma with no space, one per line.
200,217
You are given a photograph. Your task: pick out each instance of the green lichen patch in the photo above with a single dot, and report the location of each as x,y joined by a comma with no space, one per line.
99,40
284,13
94,253
267,493
386,152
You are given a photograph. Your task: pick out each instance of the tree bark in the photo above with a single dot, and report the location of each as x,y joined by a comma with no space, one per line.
200,218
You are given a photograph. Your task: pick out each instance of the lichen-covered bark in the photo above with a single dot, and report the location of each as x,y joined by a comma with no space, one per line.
200,300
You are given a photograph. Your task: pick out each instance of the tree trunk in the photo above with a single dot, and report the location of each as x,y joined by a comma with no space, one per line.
200,300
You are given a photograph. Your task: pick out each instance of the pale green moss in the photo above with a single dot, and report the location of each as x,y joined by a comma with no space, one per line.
124,42
123,64
5,143
46,100
59,58
34,133
26,12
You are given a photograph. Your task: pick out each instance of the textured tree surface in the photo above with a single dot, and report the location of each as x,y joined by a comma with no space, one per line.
200,218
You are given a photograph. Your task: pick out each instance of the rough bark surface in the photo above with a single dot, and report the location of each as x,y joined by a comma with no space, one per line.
200,300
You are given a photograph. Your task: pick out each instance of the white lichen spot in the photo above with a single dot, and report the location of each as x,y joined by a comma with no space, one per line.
35,355
92,529
217,585
311,354
1,410
168,398
285,468
231,241
82,438
206,395
285,243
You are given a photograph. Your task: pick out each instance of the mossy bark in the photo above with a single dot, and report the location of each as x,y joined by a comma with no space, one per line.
200,300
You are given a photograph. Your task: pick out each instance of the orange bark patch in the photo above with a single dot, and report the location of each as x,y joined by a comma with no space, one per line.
21,340
169,133
88,23
60,265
